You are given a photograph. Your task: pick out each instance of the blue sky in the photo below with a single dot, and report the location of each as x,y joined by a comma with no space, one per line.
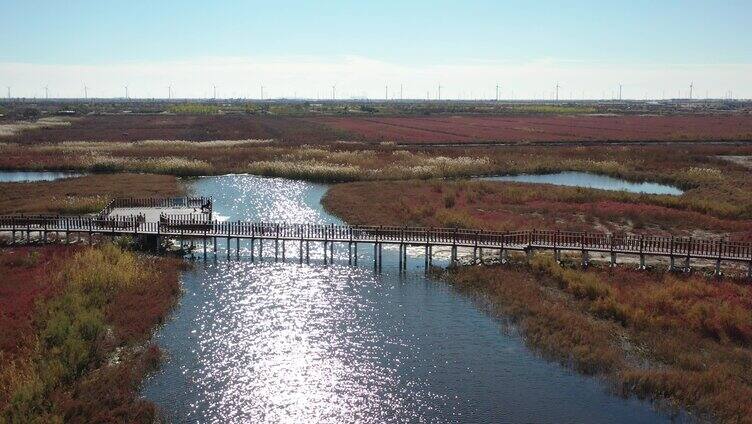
422,36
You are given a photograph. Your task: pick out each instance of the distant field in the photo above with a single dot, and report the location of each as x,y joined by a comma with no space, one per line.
180,127
412,129
447,129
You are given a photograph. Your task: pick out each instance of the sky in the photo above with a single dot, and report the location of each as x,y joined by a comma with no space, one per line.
368,49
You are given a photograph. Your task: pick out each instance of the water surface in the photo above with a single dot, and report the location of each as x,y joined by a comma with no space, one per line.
284,342
30,176
588,180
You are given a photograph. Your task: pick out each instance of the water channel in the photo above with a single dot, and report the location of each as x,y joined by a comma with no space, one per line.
284,342
31,176
589,180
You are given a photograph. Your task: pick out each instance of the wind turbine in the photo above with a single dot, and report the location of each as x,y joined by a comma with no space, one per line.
215,91
401,98
497,91
169,92
557,91
620,87
262,91
86,92
439,94
46,92
386,92
8,92
691,87
334,87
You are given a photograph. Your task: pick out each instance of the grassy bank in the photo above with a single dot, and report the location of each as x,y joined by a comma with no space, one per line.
82,323
511,206
83,194
681,341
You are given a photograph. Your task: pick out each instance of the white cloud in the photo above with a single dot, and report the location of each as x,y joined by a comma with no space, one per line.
356,76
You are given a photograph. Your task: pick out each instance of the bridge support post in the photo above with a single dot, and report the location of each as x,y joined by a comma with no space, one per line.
261,250
530,252
557,255
253,249
672,264
214,245
331,252
642,252
307,252
325,253
475,255
355,254
400,257
718,273
380,250
300,252
613,259
585,258
349,253
283,250
237,247
276,249
404,258
375,255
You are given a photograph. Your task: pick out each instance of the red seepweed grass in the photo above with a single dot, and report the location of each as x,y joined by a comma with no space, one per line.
86,355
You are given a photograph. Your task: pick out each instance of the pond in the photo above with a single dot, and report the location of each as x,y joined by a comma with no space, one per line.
30,176
270,341
589,180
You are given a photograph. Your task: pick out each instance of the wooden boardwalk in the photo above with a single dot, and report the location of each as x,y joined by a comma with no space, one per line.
192,229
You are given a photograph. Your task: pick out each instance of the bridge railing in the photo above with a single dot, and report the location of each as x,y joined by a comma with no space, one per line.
195,226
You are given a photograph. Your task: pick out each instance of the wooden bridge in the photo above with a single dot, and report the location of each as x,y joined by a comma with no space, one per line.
194,229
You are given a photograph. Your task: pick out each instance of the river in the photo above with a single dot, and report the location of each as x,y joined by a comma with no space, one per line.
284,342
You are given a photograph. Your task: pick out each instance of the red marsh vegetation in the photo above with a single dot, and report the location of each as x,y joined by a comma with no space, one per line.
83,194
180,127
447,129
416,129
510,206
679,340
79,321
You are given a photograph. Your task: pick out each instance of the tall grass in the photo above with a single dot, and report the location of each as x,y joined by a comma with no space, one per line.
163,165
10,129
75,336
312,171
